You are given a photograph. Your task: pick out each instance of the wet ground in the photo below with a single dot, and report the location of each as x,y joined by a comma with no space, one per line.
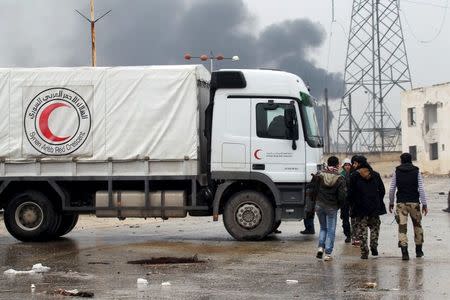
94,257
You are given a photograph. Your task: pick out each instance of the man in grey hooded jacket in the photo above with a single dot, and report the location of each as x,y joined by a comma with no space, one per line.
329,191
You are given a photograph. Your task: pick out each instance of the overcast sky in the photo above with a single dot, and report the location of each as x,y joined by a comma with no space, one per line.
293,35
421,21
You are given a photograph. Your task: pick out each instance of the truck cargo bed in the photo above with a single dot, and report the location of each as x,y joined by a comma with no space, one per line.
119,121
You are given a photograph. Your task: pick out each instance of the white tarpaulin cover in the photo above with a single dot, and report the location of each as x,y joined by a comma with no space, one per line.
99,113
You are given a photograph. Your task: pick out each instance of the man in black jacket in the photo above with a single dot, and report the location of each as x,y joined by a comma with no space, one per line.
365,195
410,193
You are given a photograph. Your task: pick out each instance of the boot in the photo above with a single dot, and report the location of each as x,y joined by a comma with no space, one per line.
319,253
448,204
374,251
419,252
405,255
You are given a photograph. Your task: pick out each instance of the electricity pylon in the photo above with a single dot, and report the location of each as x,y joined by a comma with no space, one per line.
376,67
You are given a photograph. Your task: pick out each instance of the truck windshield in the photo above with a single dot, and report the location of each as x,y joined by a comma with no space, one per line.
309,122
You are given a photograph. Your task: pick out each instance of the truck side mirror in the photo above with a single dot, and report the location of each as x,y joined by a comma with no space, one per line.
290,119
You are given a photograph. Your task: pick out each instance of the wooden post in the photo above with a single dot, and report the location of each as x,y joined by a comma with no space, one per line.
92,21
94,55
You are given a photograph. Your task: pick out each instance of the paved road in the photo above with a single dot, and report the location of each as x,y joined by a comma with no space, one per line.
94,258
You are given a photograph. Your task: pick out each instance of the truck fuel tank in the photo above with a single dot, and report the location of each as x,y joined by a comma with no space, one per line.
126,204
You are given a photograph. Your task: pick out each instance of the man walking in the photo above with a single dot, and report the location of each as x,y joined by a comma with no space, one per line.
410,193
356,162
329,190
366,193
345,210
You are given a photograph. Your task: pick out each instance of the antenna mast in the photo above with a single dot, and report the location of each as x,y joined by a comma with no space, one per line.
92,21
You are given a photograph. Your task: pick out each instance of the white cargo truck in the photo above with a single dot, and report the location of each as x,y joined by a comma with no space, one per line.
157,141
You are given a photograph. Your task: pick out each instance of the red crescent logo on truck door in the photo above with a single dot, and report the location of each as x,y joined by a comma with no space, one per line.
57,121
256,154
43,122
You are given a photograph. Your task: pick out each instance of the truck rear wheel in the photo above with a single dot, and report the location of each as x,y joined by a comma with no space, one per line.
248,215
30,217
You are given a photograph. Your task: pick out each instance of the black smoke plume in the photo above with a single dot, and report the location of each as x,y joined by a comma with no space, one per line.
145,32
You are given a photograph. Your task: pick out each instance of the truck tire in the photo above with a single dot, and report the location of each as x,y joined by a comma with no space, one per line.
52,233
276,225
248,215
31,217
68,222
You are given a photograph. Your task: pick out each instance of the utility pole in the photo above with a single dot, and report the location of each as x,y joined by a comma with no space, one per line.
332,11
327,121
350,129
92,21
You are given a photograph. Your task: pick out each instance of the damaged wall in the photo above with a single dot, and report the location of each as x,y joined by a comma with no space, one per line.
425,114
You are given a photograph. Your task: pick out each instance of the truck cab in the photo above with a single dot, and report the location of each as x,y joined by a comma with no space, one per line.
264,143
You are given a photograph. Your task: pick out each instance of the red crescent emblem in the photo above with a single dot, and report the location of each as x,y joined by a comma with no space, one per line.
255,154
43,123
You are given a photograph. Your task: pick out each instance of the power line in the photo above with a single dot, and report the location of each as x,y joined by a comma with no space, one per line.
441,27
341,26
426,4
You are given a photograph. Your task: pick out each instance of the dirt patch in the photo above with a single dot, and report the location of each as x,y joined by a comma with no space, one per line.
167,261
210,248
98,263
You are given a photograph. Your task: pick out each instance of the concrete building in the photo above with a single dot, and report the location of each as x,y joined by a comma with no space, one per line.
425,116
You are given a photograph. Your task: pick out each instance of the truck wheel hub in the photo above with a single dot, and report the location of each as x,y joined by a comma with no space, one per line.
29,216
248,216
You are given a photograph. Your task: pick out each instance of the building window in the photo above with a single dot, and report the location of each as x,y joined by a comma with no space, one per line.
413,152
430,116
411,116
434,151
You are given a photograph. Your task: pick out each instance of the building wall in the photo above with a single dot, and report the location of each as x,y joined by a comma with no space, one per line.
426,132
383,163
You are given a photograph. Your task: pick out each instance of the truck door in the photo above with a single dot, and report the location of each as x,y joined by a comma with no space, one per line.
272,150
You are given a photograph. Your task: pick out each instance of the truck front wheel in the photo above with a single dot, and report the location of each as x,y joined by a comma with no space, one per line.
248,215
30,216
68,222
276,225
